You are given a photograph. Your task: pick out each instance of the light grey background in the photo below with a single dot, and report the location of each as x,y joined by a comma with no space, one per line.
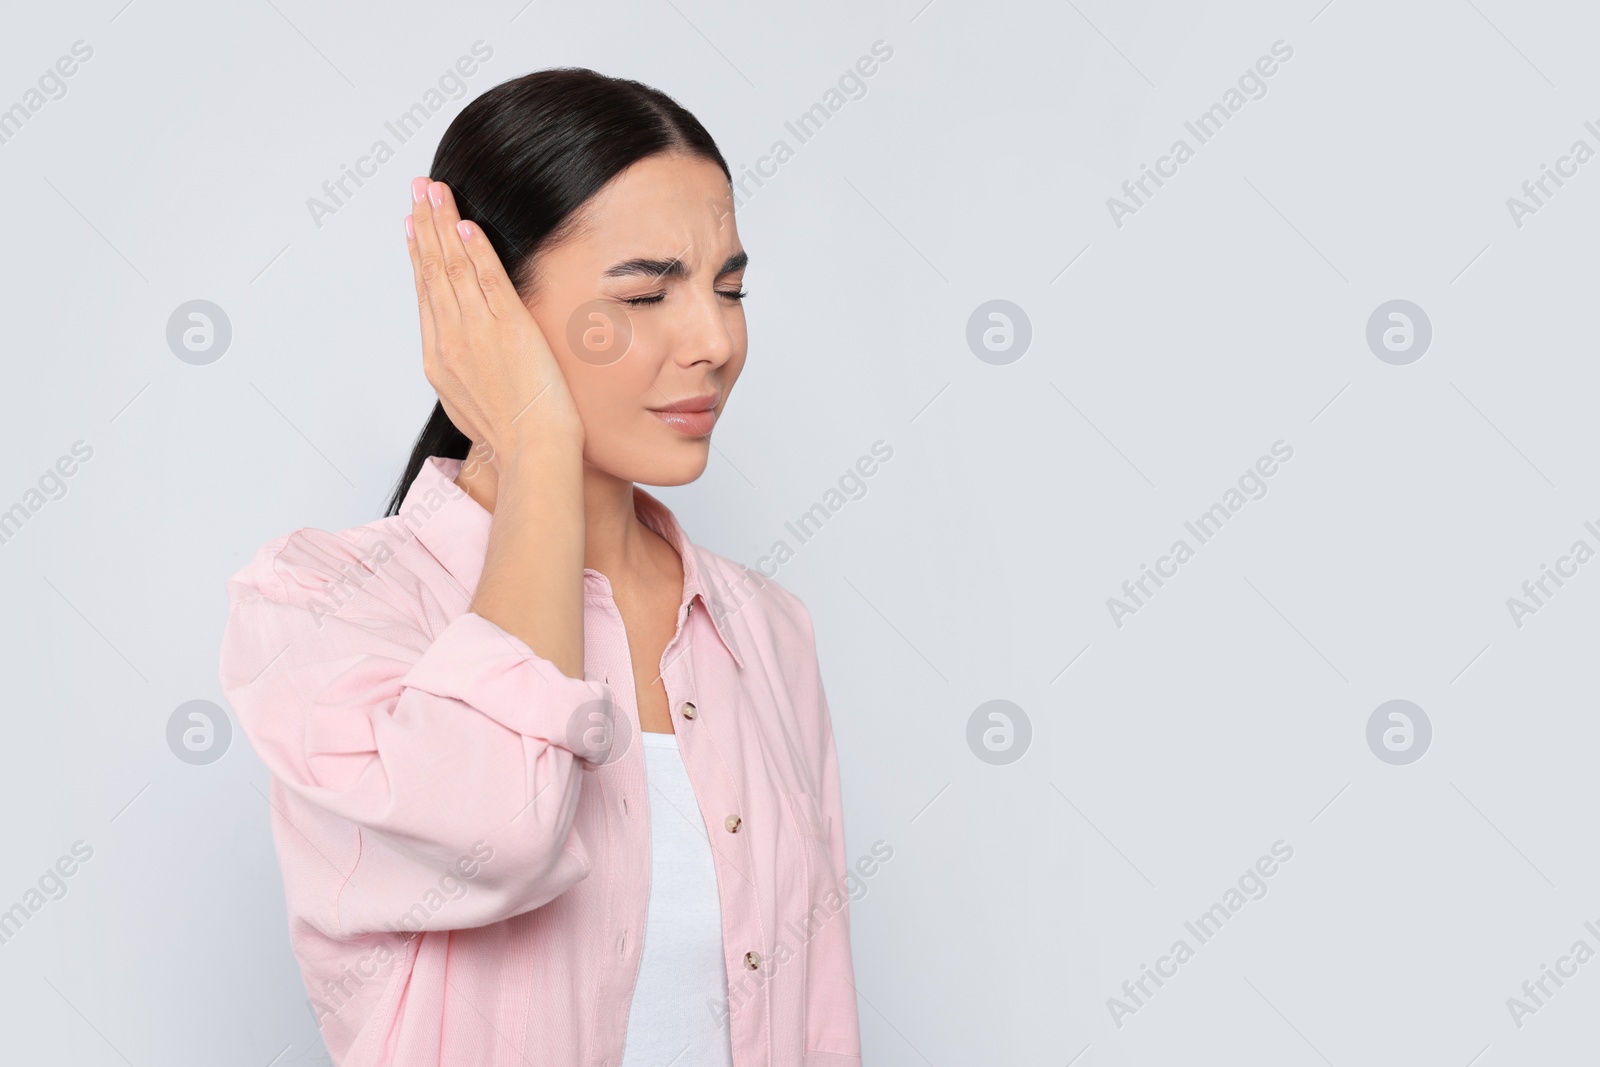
1167,354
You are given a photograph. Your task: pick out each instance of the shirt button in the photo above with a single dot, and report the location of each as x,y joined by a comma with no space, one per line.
752,960
732,823
688,710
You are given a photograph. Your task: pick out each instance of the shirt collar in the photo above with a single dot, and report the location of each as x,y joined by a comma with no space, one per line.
455,529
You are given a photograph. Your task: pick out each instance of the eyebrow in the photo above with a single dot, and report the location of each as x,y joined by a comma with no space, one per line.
669,268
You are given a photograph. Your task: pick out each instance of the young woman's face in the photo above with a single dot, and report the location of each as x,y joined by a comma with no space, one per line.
639,309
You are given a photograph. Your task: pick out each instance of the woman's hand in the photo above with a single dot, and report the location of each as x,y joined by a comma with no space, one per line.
482,351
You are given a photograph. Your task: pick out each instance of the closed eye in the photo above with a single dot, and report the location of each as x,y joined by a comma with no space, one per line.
731,294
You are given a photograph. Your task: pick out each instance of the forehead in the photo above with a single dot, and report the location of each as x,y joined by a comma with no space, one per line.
667,204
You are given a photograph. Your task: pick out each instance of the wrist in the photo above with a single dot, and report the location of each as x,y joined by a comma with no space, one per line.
539,449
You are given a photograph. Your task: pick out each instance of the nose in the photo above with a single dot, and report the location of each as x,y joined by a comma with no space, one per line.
709,333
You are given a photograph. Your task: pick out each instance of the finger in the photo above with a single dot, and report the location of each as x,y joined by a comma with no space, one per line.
459,267
441,295
424,308
498,292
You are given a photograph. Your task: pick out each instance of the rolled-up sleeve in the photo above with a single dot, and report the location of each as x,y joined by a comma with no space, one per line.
419,781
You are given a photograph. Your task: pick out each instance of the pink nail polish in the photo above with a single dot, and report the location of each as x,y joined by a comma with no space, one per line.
436,194
419,189
411,229
464,228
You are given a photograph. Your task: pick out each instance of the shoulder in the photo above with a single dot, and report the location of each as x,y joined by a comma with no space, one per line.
308,565
327,596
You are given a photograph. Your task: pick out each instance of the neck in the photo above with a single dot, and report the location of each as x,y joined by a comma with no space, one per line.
616,542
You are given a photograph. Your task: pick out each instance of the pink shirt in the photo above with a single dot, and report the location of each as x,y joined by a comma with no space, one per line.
465,844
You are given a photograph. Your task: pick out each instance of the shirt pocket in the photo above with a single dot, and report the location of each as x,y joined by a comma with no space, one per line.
819,908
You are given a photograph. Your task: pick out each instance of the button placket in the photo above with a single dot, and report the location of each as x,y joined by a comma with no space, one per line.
732,823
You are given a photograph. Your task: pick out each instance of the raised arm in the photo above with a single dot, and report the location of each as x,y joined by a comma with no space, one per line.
404,758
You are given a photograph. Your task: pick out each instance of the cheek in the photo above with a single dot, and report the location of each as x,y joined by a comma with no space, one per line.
615,393
739,331
732,369
597,384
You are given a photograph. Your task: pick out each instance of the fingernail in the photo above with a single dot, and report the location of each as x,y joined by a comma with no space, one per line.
411,230
436,194
419,189
464,228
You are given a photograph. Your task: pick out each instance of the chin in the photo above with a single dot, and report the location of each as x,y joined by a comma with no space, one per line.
660,473
677,462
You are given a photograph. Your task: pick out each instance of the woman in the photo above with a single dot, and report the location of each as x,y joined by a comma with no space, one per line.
550,783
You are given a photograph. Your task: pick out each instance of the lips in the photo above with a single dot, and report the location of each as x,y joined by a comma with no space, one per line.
693,416
689,405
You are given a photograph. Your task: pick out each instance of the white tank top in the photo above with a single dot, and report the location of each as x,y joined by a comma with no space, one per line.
681,972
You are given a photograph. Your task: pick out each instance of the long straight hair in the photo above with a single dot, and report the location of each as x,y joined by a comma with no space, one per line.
523,158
